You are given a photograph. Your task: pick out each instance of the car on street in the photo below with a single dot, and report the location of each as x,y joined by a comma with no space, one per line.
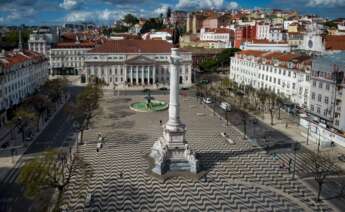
163,89
225,106
207,100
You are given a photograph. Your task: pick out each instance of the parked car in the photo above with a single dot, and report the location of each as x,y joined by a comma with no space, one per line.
163,89
225,106
207,100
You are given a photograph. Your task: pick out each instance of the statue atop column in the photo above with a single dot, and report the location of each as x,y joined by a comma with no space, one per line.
176,36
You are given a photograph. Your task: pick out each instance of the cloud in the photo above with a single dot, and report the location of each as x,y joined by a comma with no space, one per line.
70,4
206,4
24,10
200,4
232,5
325,3
96,16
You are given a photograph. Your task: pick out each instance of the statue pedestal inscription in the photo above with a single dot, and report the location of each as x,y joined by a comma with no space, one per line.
171,151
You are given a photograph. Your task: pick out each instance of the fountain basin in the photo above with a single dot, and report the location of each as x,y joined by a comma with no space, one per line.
156,105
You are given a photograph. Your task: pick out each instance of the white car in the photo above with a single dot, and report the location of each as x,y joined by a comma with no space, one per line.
207,100
225,106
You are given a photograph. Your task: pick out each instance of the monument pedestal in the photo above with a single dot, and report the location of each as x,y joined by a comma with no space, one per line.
172,153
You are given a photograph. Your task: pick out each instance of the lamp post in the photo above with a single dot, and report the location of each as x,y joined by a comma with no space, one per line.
308,132
319,141
295,148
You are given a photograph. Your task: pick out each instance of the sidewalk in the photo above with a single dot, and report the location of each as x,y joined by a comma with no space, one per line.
7,161
294,131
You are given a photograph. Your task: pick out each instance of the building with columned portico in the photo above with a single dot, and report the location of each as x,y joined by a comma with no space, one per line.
135,63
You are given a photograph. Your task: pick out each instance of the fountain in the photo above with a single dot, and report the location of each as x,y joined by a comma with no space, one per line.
149,105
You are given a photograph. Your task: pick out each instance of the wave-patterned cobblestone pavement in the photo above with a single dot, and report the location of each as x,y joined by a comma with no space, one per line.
239,177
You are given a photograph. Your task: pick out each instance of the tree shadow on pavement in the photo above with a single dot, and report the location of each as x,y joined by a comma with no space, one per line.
208,160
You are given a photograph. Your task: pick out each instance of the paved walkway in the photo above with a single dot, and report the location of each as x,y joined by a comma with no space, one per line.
239,177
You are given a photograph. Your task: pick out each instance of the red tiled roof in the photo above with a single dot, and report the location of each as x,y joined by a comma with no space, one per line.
14,58
133,46
219,30
335,42
83,44
251,53
284,57
268,42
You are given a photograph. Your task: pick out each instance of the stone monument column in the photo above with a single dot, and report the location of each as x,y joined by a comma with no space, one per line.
171,152
174,104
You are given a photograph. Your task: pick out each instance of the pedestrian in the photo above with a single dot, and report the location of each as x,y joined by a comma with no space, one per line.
99,146
121,175
97,149
205,178
160,122
290,162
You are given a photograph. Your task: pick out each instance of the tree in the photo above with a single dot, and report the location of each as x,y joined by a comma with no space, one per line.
262,95
221,60
55,88
331,24
321,170
23,117
209,65
272,102
53,170
88,101
152,24
40,105
130,19
280,102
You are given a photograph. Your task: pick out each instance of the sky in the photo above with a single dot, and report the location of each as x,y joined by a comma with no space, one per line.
44,12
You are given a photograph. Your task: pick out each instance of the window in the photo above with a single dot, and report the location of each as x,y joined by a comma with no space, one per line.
319,98
320,84
327,86
314,83
326,99
318,110
325,112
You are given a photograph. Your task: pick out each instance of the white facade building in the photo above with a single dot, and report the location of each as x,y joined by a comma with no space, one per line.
136,63
41,42
220,37
283,73
20,74
69,57
327,99
160,35
263,31
278,35
265,45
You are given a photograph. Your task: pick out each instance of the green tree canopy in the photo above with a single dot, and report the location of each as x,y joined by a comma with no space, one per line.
52,170
130,19
152,23
331,24
221,60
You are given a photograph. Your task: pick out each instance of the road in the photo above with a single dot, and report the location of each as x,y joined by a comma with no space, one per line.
53,136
